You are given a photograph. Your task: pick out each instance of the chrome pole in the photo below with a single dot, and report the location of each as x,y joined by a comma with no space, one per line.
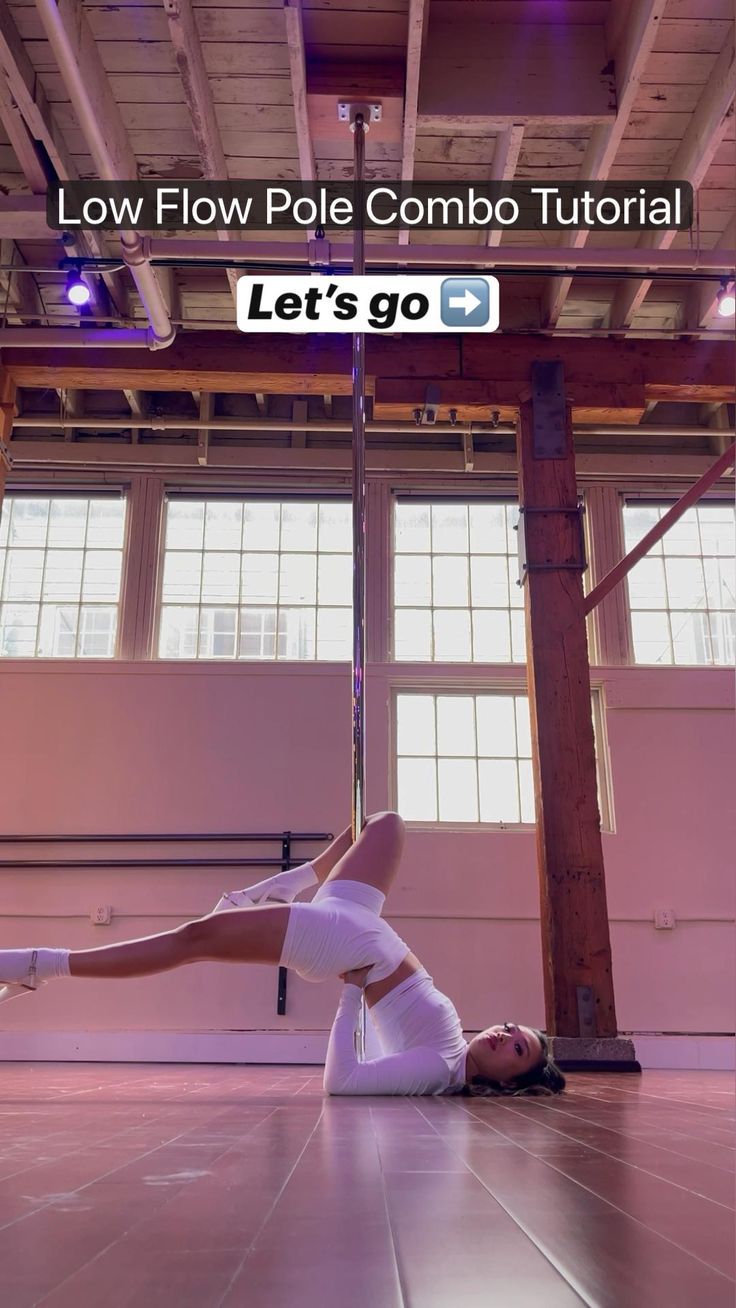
358,798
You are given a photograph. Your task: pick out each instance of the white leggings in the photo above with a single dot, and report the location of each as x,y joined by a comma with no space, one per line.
339,930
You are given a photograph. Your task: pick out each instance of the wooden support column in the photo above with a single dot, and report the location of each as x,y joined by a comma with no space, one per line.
578,984
7,414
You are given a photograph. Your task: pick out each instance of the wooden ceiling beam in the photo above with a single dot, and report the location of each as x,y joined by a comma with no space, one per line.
705,132
185,39
415,39
595,369
298,71
630,34
503,166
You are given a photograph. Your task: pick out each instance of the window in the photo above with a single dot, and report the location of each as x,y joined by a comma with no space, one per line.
681,595
61,563
456,597
256,579
464,758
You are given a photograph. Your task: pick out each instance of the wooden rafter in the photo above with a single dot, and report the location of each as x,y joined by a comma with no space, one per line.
503,167
631,35
197,92
416,34
690,164
298,70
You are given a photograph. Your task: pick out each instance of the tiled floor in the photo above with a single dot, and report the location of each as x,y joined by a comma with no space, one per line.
201,1186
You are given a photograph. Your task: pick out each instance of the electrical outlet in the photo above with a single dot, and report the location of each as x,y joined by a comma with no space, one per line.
101,915
664,919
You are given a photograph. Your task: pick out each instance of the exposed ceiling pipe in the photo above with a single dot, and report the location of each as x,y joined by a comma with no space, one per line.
171,422
90,121
182,250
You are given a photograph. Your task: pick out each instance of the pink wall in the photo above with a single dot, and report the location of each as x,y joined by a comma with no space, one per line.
136,747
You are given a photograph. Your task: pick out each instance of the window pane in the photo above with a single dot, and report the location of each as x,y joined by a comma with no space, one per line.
499,790
685,583
221,578
182,579
450,581
413,579
683,537
411,523
260,580
723,637
488,528
526,786
452,635
298,526
647,585
523,726
296,634
67,523
23,575
638,520
57,631
490,581
491,636
97,632
720,583
450,529
413,634
335,579
298,579
261,525
415,724
184,525
18,624
690,637
518,636
178,633
28,521
257,633
496,726
335,527
102,572
651,633
458,787
417,789
217,629
717,529
106,524
223,525
455,725
5,511
334,634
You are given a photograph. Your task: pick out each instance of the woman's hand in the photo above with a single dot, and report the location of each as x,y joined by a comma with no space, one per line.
357,977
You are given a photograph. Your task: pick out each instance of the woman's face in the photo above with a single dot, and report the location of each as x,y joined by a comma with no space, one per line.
503,1052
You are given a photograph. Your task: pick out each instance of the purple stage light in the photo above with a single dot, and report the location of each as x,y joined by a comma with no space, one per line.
77,291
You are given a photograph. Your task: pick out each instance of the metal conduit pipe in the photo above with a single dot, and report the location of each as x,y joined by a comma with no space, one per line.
161,331
134,422
637,259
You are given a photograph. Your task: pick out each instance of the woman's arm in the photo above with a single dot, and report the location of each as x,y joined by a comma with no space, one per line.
412,1072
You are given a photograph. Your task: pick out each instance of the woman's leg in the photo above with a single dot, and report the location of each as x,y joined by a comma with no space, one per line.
374,857
253,937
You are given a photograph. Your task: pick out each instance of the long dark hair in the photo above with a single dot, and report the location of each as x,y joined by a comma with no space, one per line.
545,1078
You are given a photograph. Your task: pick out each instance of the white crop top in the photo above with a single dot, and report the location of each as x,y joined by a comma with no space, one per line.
420,1033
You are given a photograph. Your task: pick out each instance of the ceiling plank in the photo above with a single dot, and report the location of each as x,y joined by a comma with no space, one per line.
691,162
503,166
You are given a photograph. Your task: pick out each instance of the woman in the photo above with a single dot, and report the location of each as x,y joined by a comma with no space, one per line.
341,932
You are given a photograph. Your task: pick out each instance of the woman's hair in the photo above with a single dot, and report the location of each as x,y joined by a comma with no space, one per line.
545,1078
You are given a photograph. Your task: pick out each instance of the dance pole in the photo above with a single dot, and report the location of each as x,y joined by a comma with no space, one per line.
358,807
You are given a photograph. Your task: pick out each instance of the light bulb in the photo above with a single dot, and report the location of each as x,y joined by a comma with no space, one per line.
77,291
726,301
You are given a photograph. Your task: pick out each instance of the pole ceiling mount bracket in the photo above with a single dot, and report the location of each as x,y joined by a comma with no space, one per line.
6,458
349,110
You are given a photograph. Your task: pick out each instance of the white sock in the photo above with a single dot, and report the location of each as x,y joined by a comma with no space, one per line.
15,964
280,889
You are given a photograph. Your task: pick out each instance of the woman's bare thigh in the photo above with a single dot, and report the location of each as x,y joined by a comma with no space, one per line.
243,935
376,854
